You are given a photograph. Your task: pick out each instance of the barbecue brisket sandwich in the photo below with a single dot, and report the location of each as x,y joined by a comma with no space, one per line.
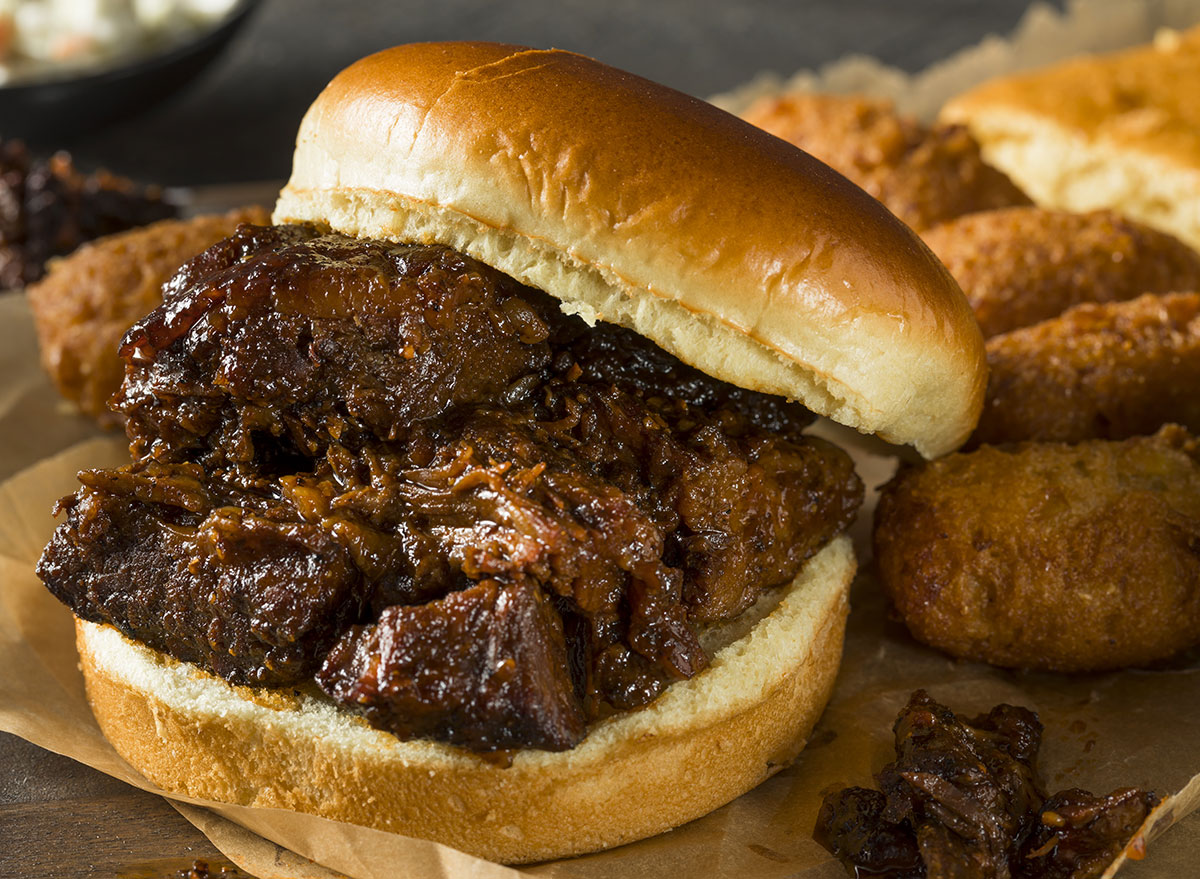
472,500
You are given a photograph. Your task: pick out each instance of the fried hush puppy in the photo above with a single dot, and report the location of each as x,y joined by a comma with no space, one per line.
1021,266
1107,371
1049,556
924,175
89,299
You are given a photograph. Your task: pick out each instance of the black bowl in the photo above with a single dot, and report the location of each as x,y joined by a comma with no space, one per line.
57,108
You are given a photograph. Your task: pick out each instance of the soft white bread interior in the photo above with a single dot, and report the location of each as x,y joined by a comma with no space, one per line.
636,204
704,742
1119,131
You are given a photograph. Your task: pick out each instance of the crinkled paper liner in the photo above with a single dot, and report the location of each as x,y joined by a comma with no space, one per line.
1102,731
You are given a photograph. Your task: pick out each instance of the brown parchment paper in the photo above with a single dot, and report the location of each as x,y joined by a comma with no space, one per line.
1102,731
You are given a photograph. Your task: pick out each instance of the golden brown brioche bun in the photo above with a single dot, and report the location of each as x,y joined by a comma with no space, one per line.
703,743
636,204
1120,130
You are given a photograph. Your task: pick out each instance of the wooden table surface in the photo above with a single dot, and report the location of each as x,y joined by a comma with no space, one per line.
62,820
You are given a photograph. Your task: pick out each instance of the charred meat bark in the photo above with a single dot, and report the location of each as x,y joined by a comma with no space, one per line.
484,667
1080,833
433,447
280,334
254,598
851,825
963,801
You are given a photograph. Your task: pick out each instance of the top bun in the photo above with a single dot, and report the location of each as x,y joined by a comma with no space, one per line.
1117,130
636,204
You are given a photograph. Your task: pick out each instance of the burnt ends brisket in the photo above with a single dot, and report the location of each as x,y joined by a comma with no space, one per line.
467,515
963,800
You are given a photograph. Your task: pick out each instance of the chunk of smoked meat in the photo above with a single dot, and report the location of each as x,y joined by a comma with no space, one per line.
283,331
967,787
850,824
614,355
503,502
963,799
754,509
256,601
484,668
1080,833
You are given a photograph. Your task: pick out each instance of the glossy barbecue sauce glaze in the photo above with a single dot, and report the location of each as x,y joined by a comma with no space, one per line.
466,515
963,800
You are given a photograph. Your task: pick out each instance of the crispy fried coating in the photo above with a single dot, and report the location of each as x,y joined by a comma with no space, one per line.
1108,371
90,298
923,175
1020,266
1047,555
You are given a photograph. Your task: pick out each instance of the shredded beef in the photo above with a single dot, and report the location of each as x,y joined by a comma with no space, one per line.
360,443
963,801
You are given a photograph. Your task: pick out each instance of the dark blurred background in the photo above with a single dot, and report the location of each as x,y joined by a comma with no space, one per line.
237,120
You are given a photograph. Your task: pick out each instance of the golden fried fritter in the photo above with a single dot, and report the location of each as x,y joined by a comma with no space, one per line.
1107,371
924,175
89,299
1020,266
1049,556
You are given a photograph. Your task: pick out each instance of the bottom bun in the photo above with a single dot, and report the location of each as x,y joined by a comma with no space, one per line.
704,742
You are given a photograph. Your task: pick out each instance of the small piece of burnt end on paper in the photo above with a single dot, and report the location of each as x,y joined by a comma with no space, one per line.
963,801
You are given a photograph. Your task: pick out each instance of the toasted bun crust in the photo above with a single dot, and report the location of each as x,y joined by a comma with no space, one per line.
700,745
1120,130
636,204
